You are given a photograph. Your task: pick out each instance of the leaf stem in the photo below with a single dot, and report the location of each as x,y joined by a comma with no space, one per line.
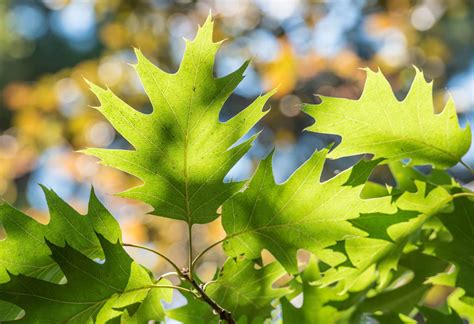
186,275
467,166
223,313
167,286
463,194
206,250
178,270
161,286
168,274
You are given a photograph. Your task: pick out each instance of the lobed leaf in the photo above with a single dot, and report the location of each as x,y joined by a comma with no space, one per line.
24,251
93,292
379,124
301,213
181,150
374,253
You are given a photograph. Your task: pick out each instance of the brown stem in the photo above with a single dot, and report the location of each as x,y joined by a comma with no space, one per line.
185,274
224,314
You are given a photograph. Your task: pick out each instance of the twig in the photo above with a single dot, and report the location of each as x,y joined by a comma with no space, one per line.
186,275
224,314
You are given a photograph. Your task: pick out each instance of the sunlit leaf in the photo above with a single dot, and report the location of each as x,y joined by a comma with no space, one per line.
181,150
379,124
301,213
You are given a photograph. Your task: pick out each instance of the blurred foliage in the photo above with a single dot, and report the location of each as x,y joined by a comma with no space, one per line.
305,47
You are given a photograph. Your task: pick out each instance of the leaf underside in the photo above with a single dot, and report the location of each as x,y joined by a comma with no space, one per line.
181,150
379,124
72,269
301,213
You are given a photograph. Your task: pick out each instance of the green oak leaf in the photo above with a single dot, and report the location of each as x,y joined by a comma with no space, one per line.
316,306
301,213
94,292
405,175
361,172
150,309
182,151
195,311
246,291
377,224
381,256
374,190
9,311
379,124
23,250
460,250
405,296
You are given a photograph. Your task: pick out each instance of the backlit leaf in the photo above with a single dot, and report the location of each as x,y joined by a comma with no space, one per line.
181,150
379,124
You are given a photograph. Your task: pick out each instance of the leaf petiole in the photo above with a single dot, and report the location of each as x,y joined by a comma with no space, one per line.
178,270
206,250
185,274
467,166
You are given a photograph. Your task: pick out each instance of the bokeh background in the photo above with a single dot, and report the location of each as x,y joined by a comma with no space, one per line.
306,47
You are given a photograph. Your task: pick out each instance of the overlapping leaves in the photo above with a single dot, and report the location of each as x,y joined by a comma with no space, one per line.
366,236
241,289
94,292
52,271
387,235
301,213
26,236
460,248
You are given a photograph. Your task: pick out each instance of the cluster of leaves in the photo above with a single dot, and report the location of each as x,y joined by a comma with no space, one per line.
377,251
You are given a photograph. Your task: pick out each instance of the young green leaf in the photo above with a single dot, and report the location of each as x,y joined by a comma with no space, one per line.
23,250
93,292
379,124
181,150
150,309
301,213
